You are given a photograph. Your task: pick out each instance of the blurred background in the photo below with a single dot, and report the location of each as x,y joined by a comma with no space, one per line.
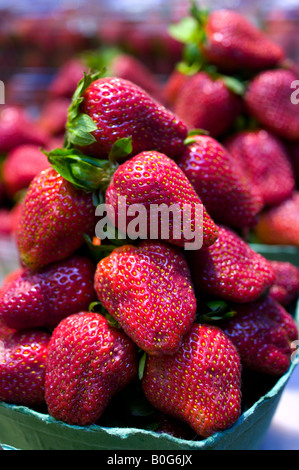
39,39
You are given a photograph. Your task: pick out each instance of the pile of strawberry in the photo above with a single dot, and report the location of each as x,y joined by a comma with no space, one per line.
83,319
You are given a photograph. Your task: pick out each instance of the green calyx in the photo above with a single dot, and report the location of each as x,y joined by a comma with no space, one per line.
100,58
216,310
97,307
86,172
79,126
191,32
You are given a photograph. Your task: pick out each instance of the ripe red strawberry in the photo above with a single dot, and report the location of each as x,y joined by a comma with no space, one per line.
152,178
173,427
219,183
279,225
286,286
6,222
294,156
66,79
268,99
21,165
174,83
234,43
5,330
262,332
55,216
265,159
22,367
88,363
42,299
114,108
230,269
200,384
148,290
207,103
131,68
17,128
53,116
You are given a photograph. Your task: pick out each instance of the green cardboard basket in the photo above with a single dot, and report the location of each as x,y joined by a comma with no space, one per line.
278,252
24,429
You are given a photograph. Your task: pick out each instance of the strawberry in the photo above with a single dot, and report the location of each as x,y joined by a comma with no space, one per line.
262,332
200,384
279,225
131,68
42,299
21,165
88,363
219,183
233,43
53,116
17,128
265,159
174,427
107,109
22,367
207,103
55,216
5,330
148,290
286,286
174,83
152,178
268,100
6,222
66,78
294,156
230,269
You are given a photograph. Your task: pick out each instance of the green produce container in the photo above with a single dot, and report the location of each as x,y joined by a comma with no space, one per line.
24,429
278,252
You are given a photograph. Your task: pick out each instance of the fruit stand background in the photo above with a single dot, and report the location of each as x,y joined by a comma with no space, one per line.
38,37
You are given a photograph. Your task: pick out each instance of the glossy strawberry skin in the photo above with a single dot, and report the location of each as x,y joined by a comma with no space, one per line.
88,363
230,269
262,332
220,184
122,109
54,218
279,225
22,368
148,290
265,160
42,299
234,43
268,100
21,165
200,384
153,178
286,286
205,103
